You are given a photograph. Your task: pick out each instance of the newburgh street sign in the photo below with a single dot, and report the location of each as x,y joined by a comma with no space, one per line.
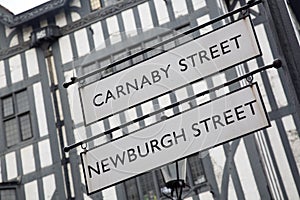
228,117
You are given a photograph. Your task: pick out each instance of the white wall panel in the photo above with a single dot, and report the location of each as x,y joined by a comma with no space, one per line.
31,62
245,172
61,19
145,15
75,16
14,41
11,165
203,20
65,49
49,186
2,75
129,23
45,153
179,7
40,109
162,11
197,4
8,31
293,136
74,100
31,191
44,23
218,159
26,33
109,193
282,162
98,36
97,128
28,162
113,29
82,43
16,70
272,74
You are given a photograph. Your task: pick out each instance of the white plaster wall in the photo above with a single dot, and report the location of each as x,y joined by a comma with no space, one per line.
65,49
16,71
40,109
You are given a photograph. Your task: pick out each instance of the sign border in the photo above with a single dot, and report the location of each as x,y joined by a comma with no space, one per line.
209,101
197,80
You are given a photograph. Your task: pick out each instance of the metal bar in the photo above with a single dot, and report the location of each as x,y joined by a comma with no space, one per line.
276,64
245,7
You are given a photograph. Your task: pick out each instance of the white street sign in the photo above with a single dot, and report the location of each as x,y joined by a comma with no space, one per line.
218,50
231,116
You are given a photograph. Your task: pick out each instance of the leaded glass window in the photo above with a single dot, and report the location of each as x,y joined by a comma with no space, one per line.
8,194
16,118
151,185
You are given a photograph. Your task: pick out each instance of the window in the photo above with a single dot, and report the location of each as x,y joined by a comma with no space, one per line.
16,118
96,4
196,169
147,182
131,189
147,188
8,194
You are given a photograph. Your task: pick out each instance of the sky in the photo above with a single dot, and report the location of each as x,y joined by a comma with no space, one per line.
19,6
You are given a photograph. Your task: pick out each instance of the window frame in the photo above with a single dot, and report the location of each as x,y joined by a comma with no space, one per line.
16,115
156,181
12,185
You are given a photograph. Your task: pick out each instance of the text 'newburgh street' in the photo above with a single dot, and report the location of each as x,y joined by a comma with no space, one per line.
214,122
168,140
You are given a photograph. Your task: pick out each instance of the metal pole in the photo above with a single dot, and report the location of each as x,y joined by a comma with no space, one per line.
276,64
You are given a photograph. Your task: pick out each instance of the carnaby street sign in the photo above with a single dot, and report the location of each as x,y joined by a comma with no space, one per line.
215,122
218,50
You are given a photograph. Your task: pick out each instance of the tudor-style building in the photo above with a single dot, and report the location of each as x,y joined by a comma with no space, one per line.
44,47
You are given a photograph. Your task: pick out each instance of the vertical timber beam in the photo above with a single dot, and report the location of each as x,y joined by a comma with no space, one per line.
287,41
290,50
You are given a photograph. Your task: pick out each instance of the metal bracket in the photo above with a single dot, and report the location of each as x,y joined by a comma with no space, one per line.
84,147
250,4
249,79
67,84
276,64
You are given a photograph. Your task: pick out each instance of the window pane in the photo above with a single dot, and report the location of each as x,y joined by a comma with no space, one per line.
8,108
8,194
25,126
147,185
197,169
11,132
131,189
22,101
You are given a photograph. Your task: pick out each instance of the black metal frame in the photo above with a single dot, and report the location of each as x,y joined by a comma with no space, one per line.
244,16
276,64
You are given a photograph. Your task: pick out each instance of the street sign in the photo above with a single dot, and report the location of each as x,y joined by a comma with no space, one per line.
215,122
218,50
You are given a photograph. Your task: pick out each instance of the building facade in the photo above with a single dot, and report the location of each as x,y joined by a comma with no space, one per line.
43,48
